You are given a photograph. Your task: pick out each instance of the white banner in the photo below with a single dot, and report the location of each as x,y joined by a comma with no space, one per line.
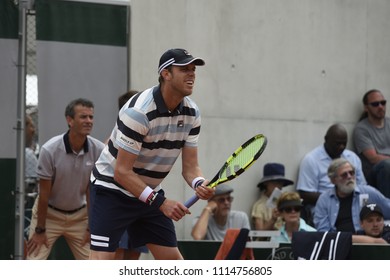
199,270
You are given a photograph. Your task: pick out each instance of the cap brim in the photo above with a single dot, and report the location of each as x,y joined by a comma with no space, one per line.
197,61
223,191
289,203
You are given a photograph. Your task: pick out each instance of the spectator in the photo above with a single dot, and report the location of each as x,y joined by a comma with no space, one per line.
289,207
264,214
125,97
31,161
372,222
65,164
313,178
372,141
30,175
338,208
217,216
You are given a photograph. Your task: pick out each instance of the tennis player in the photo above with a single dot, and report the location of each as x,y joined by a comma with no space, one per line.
152,130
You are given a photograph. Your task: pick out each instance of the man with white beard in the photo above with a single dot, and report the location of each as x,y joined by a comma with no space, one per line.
338,209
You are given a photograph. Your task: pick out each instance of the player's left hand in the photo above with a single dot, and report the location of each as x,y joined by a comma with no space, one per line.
204,192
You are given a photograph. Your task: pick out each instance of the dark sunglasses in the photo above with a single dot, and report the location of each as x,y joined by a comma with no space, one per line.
346,173
222,199
290,209
376,104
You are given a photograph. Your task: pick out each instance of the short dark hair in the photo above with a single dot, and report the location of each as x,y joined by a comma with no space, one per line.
365,102
160,78
365,96
125,97
69,110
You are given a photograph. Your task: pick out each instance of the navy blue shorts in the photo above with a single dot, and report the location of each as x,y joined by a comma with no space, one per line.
112,213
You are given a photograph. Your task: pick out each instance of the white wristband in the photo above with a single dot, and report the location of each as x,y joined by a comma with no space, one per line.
195,182
145,194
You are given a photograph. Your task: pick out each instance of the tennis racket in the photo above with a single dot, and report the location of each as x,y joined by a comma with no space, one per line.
237,163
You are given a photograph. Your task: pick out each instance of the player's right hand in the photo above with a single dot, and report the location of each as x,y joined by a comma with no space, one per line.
174,210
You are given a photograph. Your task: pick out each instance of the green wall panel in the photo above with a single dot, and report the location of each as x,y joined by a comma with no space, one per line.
7,208
80,22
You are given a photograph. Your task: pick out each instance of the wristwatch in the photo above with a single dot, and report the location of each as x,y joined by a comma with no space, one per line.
39,230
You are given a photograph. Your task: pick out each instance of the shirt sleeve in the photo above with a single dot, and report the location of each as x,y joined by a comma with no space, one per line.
133,125
360,178
45,168
362,139
307,176
246,221
321,215
193,136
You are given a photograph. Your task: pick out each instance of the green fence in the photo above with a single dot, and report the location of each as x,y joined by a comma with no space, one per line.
7,208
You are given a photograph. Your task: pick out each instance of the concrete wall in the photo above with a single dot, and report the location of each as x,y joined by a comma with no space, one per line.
285,68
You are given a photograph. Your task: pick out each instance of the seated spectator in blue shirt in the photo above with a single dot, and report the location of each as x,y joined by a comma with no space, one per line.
313,178
372,222
338,208
289,207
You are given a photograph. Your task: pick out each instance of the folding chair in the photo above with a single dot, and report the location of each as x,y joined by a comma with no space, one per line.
239,243
233,245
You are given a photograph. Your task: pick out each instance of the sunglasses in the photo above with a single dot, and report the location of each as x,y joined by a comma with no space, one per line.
222,199
293,208
346,173
377,103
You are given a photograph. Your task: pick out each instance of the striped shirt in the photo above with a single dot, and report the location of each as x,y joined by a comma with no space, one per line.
146,127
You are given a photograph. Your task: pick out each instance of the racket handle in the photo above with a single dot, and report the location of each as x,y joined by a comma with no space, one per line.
191,201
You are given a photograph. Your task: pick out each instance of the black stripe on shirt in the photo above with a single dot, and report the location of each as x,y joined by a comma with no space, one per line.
165,144
150,174
129,132
195,131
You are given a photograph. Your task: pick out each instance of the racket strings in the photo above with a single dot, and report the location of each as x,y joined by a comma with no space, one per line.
243,157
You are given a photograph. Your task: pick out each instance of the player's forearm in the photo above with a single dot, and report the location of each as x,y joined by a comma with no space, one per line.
130,181
189,174
190,165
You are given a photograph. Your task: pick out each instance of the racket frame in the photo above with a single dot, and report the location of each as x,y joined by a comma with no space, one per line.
217,180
